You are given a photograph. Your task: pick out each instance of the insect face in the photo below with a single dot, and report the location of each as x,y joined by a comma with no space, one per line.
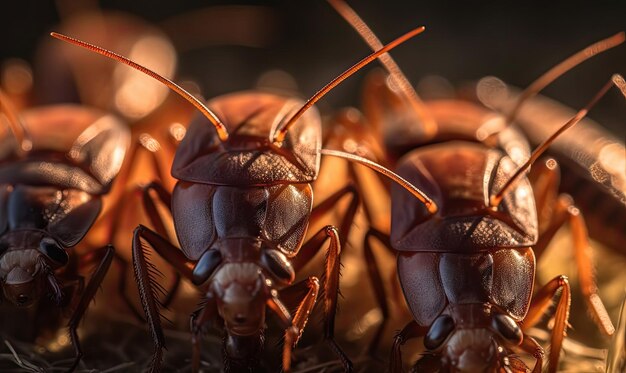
25,266
470,350
473,344
239,289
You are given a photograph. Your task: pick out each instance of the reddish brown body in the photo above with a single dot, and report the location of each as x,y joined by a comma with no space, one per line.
257,162
52,178
467,261
468,271
241,209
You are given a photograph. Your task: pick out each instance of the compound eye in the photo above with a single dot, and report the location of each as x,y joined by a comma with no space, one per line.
206,265
278,264
53,251
507,328
439,331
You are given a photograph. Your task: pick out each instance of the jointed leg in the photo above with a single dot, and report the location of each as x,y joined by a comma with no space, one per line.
330,282
539,306
531,346
159,226
148,288
86,298
115,214
330,203
122,288
295,326
564,211
197,321
410,331
377,284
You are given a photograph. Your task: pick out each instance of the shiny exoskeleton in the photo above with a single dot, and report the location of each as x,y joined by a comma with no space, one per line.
478,258
241,208
466,258
54,170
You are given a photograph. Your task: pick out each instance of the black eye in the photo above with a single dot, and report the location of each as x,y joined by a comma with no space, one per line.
206,265
439,332
278,264
507,328
52,250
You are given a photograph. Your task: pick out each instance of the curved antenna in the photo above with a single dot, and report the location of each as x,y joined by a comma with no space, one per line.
15,124
421,196
554,73
217,123
366,33
616,80
282,131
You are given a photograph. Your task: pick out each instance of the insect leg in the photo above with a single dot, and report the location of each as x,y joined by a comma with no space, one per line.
541,302
159,226
331,202
531,346
114,217
330,282
295,326
86,298
122,180
410,331
123,289
318,212
197,320
148,288
562,211
377,283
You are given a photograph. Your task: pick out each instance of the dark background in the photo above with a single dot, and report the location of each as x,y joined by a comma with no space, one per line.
465,40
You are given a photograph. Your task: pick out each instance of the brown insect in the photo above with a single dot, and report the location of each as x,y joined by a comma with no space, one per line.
591,160
466,250
54,169
241,209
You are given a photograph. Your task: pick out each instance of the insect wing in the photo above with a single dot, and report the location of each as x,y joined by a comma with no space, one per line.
66,214
101,148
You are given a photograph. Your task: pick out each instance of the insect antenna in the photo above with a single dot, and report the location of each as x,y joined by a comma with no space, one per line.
282,131
15,124
421,196
616,80
217,123
366,33
554,73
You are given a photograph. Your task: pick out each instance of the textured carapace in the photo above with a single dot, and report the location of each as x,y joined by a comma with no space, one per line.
467,271
241,208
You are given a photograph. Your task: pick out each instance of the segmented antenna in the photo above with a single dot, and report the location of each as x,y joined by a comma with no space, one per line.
15,124
428,202
554,73
392,67
616,80
282,131
217,123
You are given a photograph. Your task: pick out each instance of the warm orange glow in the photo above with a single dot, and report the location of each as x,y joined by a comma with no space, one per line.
177,131
612,158
16,76
149,142
137,95
492,92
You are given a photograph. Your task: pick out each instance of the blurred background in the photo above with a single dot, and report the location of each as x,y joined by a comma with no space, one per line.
218,47
464,41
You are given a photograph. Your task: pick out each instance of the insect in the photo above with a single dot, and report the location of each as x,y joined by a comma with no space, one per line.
465,255
241,208
590,158
54,169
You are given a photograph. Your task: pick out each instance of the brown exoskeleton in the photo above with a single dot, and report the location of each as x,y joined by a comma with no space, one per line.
54,170
241,209
466,255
